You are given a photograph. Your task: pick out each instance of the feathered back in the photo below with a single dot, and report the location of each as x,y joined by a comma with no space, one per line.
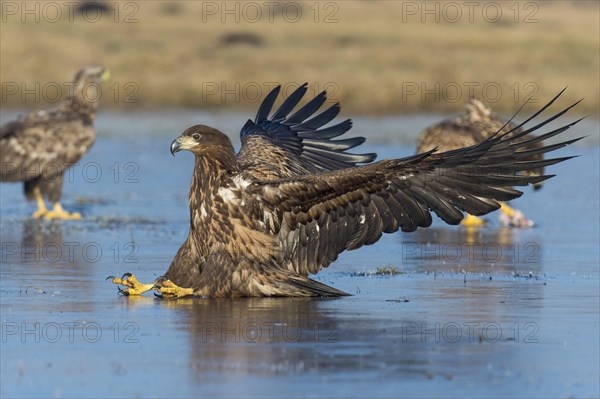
476,110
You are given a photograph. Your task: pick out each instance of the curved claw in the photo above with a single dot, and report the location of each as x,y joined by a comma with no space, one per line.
124,292
166,297
110,278
126,276
158,282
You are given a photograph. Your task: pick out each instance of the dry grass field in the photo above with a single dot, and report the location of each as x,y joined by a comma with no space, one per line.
377,57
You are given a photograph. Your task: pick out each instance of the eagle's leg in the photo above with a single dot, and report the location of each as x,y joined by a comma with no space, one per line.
42,210
59,213
507,210
169,289
513,217
472,221
134,287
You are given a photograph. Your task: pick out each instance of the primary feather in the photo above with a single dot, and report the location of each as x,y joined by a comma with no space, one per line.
476,124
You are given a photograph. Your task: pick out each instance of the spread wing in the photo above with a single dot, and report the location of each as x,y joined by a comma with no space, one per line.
324,214
287,145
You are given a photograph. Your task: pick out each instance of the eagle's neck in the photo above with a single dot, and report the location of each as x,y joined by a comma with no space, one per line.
212,170
84,99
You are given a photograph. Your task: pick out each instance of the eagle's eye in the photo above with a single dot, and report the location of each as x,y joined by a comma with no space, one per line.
196,136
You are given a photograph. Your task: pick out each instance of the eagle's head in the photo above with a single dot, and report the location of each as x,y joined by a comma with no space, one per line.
92,74
206,143
86,90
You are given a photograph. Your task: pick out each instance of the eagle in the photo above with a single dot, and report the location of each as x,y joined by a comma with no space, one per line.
36,149
293,198
476,124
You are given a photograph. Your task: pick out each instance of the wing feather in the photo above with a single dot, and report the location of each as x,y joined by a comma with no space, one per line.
333,211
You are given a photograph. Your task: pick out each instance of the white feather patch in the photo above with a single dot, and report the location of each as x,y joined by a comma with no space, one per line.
228,195
241,182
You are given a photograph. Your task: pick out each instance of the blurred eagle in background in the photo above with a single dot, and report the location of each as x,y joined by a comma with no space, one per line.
37,148
475,125
292,199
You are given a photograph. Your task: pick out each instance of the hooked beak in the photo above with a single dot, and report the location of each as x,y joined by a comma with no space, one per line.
105,75
175,146
183,143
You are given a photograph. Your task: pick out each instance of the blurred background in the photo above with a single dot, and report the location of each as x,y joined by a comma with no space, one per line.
376,57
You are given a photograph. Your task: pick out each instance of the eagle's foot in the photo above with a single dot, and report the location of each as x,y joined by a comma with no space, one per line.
134,287
472,221
510,217
168,289
59,213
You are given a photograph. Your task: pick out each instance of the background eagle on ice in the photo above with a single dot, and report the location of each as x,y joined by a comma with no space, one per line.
37,148
476,124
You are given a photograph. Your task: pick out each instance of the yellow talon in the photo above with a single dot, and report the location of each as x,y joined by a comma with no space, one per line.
56,213
169,290
134,287
472,221
59,213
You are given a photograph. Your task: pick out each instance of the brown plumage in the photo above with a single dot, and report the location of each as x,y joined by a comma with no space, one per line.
476,124
293,199
37,148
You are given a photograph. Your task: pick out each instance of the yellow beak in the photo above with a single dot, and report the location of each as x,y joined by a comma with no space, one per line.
105,75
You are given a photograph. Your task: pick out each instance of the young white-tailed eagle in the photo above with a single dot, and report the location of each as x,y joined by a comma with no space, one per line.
37,148
475,125
293,198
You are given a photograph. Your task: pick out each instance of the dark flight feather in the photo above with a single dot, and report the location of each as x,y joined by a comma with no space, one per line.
479,123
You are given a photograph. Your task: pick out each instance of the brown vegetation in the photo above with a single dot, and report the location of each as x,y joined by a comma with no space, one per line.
377,57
